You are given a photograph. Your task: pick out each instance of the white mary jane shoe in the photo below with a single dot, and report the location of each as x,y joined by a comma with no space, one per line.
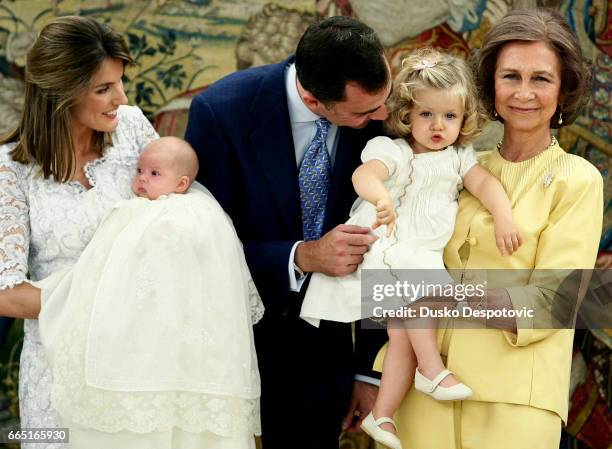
371,426
437,391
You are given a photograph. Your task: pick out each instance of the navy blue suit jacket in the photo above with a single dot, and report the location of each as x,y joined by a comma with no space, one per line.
241,131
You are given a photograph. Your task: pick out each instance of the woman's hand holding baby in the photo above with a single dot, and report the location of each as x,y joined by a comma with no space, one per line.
20,301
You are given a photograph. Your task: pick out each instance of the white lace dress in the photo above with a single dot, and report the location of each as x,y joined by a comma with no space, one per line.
44,227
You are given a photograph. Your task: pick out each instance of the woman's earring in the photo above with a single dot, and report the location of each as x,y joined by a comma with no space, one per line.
494,113
560,121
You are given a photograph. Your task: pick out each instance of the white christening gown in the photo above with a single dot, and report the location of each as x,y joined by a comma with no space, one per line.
150,335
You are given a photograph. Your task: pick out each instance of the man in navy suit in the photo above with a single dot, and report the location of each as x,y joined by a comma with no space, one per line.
251,131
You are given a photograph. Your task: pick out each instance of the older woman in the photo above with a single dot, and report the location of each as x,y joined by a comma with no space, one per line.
533,78
71,157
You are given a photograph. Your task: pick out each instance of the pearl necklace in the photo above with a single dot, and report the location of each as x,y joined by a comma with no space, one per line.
553,142
548,176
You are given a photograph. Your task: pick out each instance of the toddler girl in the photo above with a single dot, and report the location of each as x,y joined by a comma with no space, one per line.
411,185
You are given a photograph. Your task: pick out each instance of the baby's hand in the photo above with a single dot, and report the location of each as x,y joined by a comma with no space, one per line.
385,214
507,236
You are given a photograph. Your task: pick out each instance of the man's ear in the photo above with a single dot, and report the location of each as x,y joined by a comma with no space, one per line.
310,101
182,185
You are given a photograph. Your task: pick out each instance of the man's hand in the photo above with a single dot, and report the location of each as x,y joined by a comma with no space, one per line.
604,261
337,253
362,402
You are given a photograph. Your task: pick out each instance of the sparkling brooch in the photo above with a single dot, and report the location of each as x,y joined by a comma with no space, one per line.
548,178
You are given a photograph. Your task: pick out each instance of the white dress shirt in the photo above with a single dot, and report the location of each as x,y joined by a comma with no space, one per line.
303,130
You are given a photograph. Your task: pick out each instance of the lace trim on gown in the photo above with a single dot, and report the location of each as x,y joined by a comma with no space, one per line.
141,412
257,307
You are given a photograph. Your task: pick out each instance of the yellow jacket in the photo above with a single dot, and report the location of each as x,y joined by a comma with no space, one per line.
557,201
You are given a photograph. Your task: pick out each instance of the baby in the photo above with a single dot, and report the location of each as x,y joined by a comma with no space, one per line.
167,165
152,327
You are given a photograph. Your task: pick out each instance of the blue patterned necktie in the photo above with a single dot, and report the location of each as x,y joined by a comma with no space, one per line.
314,176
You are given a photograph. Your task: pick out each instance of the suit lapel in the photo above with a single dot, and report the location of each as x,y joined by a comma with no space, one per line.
273,143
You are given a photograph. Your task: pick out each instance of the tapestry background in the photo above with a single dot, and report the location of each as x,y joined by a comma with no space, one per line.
181,46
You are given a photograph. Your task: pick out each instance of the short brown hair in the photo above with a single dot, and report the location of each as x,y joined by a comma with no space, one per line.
537,25
67,54
338,50
429,68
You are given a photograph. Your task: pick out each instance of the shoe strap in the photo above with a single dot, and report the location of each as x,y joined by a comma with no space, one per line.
384,419
439,378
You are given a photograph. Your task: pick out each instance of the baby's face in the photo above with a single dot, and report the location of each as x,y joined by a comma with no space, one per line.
156,175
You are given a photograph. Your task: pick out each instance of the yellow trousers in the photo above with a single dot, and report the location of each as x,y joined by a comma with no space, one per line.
424,423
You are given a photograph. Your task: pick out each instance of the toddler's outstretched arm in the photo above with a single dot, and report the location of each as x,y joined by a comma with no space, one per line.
368,181
20,301
484,186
